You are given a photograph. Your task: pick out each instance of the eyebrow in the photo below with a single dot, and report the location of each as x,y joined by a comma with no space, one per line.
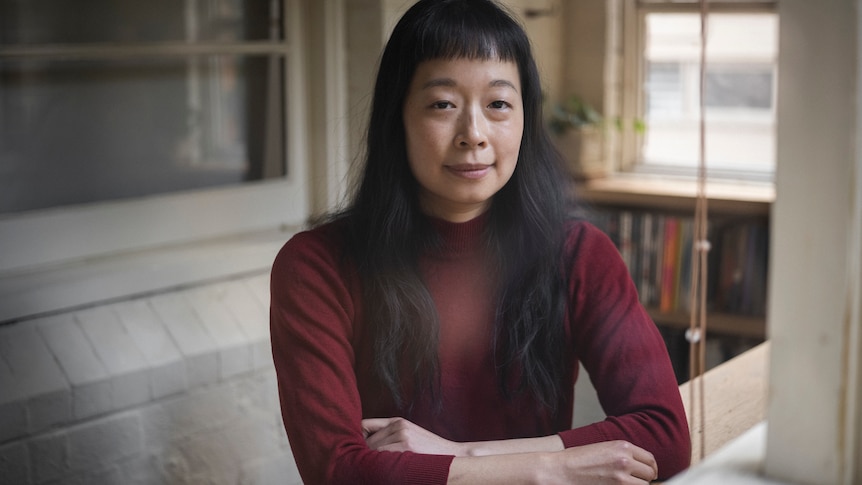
450,83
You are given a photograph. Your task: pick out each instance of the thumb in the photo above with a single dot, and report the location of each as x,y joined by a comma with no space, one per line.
373,425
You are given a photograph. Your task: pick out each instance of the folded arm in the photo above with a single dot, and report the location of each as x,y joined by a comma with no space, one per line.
529,460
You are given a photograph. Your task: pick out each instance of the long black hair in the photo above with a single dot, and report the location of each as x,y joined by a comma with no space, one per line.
386,230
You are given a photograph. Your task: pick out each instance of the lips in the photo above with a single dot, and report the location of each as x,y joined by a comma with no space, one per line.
469,170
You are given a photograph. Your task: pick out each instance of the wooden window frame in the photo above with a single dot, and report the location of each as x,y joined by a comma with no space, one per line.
632,102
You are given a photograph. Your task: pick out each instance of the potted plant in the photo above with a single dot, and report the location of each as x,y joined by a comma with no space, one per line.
579,136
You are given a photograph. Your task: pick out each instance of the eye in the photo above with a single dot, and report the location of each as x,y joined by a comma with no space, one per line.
441,105
499,104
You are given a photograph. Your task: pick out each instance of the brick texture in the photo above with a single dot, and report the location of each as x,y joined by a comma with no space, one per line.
172,388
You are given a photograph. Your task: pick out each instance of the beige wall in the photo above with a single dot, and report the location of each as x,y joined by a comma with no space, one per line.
366,27
815,274
584,51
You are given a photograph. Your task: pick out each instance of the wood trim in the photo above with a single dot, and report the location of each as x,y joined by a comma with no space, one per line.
735,400
678,194
720,323
155,49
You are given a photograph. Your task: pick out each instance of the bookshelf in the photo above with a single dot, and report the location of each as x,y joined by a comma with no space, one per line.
623,206
678,195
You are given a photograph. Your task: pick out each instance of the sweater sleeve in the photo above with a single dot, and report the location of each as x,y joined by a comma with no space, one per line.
625,356
311,324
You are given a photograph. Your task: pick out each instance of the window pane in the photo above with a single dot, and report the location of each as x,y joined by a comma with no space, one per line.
135,21
739,91
77,126
86,131
665,84
740,86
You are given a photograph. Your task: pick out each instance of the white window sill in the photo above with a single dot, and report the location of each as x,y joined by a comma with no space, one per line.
25,295
676,193
738,463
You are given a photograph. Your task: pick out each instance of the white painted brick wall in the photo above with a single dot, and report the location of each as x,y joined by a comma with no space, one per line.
173,388
167,374
234,355
14,460
13,409
39,384
91,388
115,348
249,306
196,346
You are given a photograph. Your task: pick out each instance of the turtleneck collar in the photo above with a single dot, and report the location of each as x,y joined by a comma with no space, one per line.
460,237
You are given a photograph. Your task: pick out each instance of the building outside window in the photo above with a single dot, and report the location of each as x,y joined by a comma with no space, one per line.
109,100
740,88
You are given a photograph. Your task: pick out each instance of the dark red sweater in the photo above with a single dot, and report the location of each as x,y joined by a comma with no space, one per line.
323,359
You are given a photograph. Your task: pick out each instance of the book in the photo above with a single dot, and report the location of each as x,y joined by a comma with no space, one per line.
669,265
658,249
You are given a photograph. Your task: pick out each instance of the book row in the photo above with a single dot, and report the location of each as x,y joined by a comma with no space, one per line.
657,249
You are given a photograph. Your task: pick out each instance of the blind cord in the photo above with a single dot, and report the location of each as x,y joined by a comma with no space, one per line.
696,334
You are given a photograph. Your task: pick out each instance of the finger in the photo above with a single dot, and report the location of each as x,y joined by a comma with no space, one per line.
646,458
373,425
390,438
391,434
643,471
378,440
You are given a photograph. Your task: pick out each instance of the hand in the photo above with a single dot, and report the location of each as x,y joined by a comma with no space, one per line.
610,462
399,434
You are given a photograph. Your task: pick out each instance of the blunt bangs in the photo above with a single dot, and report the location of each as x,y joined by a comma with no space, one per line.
472,30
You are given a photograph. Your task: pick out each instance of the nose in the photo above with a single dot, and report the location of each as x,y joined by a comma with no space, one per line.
472,130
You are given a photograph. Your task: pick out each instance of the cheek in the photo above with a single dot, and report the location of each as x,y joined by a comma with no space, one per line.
412,142
419,159
414,145
511,151
425,142
512,141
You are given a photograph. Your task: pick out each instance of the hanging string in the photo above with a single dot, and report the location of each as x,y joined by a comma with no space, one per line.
696,333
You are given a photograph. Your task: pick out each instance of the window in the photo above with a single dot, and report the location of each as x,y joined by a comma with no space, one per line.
740,88
139,99
142,124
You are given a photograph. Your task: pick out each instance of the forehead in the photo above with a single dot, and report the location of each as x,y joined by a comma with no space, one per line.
466,72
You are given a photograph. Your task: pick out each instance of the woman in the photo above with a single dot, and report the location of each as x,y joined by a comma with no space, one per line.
431,332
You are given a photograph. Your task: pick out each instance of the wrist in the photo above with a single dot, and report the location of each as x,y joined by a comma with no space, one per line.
524,445
547,462
472,449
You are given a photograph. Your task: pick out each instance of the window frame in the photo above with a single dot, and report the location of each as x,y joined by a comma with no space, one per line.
632,65
50,241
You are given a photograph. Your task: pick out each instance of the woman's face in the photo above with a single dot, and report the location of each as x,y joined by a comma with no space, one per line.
463,121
